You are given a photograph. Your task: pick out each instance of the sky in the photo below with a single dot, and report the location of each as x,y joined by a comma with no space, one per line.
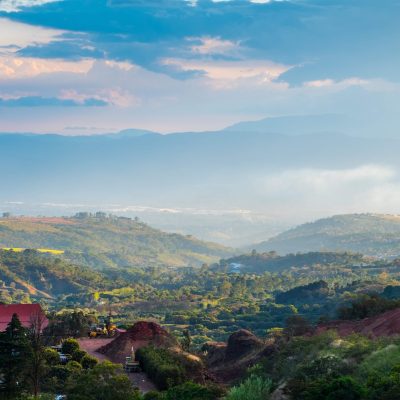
93,66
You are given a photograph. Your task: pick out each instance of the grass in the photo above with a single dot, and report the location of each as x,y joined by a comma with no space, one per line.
20,250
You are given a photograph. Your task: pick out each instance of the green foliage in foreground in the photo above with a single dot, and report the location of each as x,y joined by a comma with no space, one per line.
192,391
328,367
103,382
28,368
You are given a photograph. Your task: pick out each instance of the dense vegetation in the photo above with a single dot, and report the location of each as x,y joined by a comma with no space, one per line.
370,234
104,241
27,366
279,298
329,367
210,301
162,366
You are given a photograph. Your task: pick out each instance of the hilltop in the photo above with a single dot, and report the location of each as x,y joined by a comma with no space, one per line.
370,234
103,241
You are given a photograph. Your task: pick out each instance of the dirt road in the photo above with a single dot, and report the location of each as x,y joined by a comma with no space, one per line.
91,346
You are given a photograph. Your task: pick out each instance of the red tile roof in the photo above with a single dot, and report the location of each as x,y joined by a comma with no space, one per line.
25,314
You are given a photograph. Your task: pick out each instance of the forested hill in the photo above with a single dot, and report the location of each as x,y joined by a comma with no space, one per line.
103,241
370,234
28,276
272,262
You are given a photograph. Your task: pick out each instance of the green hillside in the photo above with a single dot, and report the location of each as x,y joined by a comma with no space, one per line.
370,234
29,275
103,241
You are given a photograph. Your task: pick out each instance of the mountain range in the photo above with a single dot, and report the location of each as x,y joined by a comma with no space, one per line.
237,186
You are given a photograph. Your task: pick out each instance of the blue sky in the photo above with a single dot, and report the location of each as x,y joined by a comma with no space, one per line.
91,66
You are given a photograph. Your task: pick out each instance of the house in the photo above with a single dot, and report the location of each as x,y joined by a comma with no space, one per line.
28,314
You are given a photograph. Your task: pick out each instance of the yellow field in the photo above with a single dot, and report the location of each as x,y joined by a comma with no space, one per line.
19,250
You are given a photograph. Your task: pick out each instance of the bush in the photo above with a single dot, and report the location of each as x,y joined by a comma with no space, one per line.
153,396
103,382
161,366
380,362
253,388
74,366
88,361
192,391
69,346
51,356
77,355
337,389
367,306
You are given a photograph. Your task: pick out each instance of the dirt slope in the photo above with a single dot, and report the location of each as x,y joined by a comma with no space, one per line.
141,334
228,361
386,324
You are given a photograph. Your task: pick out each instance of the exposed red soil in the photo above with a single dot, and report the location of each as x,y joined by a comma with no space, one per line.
228,362
386,324
92,345
141,334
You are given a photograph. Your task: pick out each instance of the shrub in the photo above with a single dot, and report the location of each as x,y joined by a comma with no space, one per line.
340,388
161,366
153,396
74,366
51,356
88,361
380,362
69,346
77,355
192,391
253,388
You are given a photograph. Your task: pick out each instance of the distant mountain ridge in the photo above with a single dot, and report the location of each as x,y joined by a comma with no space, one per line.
370,234
250,167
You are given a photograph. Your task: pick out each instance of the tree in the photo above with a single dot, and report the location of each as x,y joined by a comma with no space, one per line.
297,326
36,360
88,361
69,346
78,355
187,340
340,388
14,348
103,382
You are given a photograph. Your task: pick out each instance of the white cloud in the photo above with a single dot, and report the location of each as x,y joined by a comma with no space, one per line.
331,83
21,35
16,5
226,72
124,66
310,192
12,66
113,96
325,180
213,45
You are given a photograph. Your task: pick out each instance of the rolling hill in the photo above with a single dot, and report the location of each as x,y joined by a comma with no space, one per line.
103,241
370,234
